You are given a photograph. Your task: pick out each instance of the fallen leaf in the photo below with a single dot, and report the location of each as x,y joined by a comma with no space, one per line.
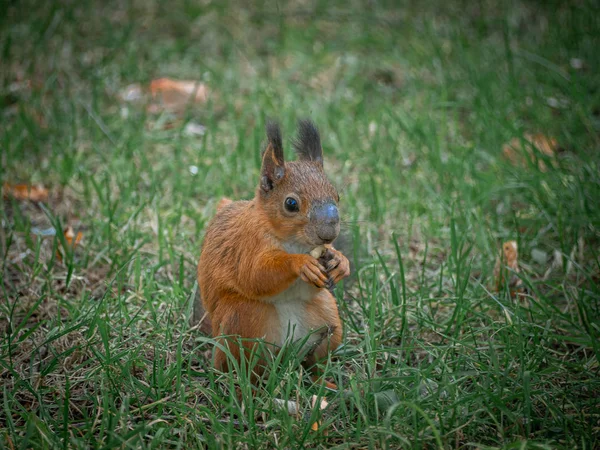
25,192
70,234
507,265
132,93
71,238
514,151
290,406
322,405
546,145
194,129
43,231
175,95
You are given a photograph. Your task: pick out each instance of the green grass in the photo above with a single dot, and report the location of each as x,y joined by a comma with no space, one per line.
414,103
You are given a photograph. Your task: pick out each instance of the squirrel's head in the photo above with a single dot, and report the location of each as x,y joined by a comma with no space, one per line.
298,199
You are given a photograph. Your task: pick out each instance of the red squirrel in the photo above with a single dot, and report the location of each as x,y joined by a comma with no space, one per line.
256,275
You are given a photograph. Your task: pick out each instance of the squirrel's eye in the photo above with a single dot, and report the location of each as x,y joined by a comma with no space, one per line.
291,204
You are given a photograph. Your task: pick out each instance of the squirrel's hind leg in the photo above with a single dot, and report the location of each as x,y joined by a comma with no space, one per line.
245,328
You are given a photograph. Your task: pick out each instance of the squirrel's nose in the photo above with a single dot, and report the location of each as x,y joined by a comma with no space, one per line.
326,213
326,218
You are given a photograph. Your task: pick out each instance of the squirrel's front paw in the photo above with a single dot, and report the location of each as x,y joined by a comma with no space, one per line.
337,265
313,272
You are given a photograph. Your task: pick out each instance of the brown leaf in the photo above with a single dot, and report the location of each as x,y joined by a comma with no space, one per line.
507,265
322,405
175,95
71,238
517,154
545,144
70,234
25,192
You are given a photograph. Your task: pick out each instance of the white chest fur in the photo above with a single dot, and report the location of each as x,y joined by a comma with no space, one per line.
291,304
291,308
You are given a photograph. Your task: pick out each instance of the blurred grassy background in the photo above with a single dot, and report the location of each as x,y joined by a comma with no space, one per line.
415,102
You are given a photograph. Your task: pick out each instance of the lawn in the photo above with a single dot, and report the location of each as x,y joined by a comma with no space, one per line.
449,129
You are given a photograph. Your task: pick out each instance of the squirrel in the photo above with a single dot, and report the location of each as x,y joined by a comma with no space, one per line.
256,276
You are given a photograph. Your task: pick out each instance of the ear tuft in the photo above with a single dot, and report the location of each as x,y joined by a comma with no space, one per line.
274,140
273,164
308,142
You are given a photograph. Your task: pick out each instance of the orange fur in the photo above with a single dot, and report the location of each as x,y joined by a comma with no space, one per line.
223,203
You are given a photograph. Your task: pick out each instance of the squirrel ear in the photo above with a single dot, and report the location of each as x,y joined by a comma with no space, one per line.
273,165
308,143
